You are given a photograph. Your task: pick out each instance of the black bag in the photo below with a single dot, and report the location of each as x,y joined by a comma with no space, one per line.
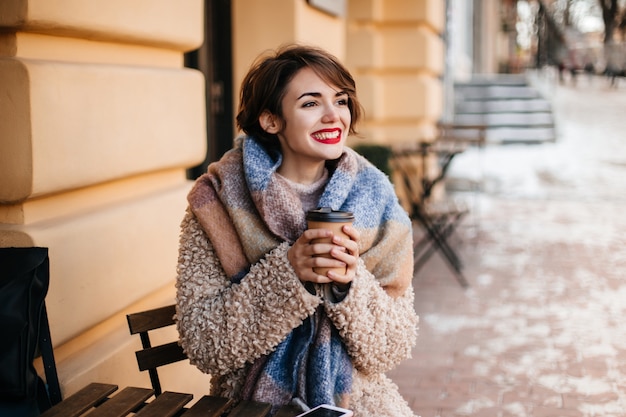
24,280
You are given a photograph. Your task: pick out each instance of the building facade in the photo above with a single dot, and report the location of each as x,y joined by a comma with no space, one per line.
101,118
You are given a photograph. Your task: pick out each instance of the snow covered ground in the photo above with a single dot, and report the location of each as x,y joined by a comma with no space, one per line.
541,330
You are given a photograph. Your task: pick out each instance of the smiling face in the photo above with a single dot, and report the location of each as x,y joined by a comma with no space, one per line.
315,124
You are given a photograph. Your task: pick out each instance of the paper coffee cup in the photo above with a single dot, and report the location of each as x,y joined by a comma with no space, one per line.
329,219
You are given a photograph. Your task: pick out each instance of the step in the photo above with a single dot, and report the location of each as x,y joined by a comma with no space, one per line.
528,135
503,106
491,92
543,119
501,109
496,79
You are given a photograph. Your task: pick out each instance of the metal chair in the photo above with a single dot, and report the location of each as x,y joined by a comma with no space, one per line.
439,219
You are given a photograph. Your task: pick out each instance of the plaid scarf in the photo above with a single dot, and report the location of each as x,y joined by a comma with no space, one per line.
246,211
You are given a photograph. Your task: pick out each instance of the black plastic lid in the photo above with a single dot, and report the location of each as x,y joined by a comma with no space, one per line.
326,214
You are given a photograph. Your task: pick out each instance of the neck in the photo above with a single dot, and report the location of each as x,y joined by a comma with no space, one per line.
301,174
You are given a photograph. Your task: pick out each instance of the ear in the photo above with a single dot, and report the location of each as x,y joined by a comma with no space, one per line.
269,122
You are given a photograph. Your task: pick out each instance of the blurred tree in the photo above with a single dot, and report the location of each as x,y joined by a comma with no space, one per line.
550,38
572,13
612,18
567,21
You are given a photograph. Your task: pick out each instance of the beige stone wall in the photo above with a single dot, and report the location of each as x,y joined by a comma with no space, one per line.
259,26
98,123
397,56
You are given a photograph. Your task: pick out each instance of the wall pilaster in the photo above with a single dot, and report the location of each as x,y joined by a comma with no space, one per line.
397,55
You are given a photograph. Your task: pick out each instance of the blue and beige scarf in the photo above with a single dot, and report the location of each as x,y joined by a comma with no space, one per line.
248,212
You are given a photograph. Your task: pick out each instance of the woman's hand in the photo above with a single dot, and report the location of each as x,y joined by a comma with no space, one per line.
347,251
305,254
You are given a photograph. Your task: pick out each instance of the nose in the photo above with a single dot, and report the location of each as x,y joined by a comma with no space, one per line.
331,114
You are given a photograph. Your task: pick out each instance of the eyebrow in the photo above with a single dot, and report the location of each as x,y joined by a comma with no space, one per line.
314,94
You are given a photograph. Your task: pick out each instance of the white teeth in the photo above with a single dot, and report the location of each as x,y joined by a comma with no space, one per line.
326,135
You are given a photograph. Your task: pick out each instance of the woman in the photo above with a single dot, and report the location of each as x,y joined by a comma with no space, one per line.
250,309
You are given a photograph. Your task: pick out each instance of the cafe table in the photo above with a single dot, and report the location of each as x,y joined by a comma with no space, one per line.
104,400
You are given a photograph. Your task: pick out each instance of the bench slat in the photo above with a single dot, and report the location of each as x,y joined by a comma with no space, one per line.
209,406
154,357
81,401
167,404
119,405
288,411
151,319
251,409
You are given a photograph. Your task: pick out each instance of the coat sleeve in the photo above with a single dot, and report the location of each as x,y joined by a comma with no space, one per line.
378,330
222,325
377,318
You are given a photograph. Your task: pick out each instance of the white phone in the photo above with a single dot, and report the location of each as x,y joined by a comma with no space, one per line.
326,410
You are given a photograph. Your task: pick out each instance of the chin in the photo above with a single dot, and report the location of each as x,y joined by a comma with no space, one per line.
335,155
330,152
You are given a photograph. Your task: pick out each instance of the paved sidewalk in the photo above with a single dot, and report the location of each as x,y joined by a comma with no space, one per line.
542,329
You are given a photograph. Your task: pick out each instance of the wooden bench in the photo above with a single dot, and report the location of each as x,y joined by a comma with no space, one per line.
150,358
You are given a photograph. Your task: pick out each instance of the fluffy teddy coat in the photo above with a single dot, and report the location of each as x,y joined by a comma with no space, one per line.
226,324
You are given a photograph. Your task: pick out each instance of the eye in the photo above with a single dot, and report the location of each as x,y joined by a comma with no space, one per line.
309,104
342,101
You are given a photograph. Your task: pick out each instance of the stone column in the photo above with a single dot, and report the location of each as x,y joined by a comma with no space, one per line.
397,55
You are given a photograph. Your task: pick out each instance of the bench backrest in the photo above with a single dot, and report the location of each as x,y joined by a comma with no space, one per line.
150,358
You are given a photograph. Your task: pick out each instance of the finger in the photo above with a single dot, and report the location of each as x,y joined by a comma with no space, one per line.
350,246
323,248
328,262
352,232
344,256
311,276
321,279
341,278
313,234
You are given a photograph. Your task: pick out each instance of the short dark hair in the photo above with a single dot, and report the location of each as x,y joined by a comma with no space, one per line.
265,85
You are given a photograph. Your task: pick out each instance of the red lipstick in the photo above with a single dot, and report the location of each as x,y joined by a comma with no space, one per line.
327,136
